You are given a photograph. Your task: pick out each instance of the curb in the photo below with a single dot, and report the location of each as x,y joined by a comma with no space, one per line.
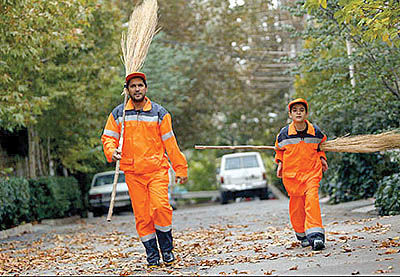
366,209
25,228
60,221
28,227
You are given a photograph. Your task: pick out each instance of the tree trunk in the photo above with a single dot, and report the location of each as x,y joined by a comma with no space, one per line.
38,156
351,65
65,172
51,163
31,152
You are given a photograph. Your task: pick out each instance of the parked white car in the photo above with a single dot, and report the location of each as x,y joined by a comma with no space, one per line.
101,188
100,192
242,175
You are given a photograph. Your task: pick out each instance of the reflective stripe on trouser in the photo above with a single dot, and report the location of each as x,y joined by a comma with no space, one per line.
150,203
305,213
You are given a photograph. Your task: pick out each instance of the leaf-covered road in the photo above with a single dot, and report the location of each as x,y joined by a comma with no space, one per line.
247,238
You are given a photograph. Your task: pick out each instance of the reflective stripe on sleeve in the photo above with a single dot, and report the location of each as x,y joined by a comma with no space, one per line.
111,133
167,135
148,237
163,228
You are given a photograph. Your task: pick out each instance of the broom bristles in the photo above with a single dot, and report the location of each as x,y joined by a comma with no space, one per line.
141,30
363,143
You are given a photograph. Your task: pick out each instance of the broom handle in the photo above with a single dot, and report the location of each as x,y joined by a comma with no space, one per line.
234,147
116,175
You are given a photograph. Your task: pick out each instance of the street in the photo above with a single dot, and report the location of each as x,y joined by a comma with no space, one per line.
245,238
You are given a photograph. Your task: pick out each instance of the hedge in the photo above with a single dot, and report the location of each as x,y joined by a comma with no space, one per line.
14,202
24,200
387,197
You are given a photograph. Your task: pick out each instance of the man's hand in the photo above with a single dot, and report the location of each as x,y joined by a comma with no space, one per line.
279,170
116,155
180,180
324,164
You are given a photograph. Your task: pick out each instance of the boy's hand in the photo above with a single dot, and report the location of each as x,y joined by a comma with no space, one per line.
180,180
324,165
279,170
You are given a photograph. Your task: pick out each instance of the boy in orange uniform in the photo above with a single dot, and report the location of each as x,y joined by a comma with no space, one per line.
300,165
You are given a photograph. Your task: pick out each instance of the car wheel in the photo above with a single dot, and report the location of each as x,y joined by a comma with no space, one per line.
98,212
224,197
264,194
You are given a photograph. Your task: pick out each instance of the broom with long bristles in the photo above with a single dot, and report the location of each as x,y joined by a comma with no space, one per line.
135,45
351,144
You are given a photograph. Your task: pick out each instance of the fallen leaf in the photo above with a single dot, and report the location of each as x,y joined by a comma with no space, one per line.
392,251
269,272
294,267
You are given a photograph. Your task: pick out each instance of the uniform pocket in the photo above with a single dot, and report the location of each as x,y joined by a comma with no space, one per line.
289,174
291,183
126,161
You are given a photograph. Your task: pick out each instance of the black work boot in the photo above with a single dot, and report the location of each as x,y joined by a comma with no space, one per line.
165,242
303,240
317,241
318,244
153,256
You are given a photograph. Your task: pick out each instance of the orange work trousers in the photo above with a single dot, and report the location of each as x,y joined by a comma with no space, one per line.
305,213
150,202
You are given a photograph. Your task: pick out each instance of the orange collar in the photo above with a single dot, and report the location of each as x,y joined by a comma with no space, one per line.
131,106
310,129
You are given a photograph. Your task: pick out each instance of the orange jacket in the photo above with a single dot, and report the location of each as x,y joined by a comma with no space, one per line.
147,135
300,157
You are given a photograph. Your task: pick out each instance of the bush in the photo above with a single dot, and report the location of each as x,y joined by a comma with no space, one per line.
47,197
356,176
55,197
388,195
14,202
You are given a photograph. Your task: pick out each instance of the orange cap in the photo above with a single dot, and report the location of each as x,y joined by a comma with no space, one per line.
298,100
135,74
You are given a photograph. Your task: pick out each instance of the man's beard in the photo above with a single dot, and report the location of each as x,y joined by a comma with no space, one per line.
136,100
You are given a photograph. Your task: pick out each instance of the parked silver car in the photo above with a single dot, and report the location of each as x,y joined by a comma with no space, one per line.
101,188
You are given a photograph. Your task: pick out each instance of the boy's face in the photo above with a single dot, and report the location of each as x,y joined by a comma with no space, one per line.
298,113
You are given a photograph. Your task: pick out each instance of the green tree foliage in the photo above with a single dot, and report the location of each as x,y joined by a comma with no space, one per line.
199,68
61,69
370,105
372,19
91,80
33,34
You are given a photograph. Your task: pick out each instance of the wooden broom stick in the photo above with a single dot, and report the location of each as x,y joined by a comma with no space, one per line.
116,174
135,45
351,144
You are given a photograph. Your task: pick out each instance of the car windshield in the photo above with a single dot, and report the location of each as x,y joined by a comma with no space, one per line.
241,162
108,179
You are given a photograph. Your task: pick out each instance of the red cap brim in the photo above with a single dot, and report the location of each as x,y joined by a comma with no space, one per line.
135,74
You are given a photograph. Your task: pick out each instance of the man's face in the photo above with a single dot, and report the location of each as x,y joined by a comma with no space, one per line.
298,113
137,89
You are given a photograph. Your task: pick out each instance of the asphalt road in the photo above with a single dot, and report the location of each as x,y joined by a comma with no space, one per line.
246,238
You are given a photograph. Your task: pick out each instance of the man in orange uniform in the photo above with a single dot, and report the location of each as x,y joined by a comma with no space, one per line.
300,164
147,139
